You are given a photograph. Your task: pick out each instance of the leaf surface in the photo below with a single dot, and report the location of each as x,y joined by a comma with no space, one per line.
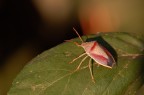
51,74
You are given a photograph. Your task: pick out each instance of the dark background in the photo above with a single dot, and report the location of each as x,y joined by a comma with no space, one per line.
20,23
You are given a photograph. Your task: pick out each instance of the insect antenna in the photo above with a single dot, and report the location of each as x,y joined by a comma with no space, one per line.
78,35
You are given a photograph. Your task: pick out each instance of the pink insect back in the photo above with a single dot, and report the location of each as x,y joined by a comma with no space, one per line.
99,54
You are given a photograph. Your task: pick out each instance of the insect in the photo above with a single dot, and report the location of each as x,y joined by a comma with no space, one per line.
96,52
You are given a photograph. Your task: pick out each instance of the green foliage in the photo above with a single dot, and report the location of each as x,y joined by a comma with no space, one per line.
50,74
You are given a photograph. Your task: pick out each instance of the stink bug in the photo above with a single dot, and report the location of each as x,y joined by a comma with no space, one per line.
96,52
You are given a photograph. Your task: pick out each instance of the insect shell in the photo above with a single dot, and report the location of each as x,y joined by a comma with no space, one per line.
97,52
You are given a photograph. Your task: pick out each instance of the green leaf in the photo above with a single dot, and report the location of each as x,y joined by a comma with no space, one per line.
50,74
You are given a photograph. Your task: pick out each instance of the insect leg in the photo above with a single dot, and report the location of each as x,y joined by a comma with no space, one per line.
81,62
90,68
77,58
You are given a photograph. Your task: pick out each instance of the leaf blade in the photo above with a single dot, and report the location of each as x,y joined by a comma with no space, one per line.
50,73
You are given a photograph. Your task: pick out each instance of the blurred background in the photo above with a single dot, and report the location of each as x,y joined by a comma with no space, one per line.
29,27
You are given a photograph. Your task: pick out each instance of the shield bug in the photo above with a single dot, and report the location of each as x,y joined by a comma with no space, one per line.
96,52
